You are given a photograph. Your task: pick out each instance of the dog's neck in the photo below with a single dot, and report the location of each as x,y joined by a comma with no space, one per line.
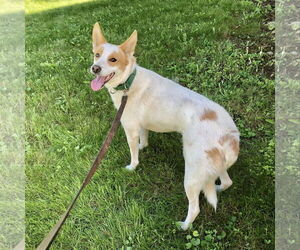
117,95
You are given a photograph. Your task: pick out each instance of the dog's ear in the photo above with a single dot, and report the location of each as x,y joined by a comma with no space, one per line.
98,37
129,45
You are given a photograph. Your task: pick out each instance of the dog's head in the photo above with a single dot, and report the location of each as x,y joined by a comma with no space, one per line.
112,63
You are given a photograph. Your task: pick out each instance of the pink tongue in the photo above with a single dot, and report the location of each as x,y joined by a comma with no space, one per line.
97,83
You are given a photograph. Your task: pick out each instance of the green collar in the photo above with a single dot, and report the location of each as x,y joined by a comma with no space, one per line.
126,85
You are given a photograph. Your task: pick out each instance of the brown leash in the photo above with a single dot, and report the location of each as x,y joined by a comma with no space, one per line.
47,241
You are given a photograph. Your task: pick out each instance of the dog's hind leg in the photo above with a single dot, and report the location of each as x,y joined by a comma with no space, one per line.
226,182
143,138
192,186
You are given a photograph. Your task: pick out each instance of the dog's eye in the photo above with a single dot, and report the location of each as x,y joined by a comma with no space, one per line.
97,55
113,59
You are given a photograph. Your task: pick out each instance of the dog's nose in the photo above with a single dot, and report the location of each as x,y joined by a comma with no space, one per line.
96,69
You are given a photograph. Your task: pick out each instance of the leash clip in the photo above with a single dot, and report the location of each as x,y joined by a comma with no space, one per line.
110,91
115,91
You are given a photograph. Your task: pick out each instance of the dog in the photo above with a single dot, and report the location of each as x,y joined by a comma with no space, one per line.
210,136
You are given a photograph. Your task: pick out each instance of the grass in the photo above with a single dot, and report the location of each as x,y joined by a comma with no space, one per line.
203,45
42,5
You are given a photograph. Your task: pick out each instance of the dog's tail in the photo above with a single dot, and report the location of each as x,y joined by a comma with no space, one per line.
211,194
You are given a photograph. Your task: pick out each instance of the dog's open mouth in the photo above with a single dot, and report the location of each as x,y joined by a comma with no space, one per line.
100,81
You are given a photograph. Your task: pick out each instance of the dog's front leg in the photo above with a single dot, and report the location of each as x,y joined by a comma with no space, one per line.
133,142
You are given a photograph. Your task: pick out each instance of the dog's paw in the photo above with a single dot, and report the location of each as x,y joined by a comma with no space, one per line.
130,168
183,226
142,145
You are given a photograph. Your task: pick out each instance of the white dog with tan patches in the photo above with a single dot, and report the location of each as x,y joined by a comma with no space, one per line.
210,137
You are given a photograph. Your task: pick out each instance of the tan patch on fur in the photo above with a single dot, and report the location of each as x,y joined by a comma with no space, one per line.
121,62
98,49
208,115
233,142
216,156
235,146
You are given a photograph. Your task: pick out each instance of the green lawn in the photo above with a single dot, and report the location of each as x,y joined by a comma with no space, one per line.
217,48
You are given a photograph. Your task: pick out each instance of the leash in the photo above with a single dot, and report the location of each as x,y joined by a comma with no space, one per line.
49,238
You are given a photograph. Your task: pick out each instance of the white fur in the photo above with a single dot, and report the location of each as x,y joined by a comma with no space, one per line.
158,104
